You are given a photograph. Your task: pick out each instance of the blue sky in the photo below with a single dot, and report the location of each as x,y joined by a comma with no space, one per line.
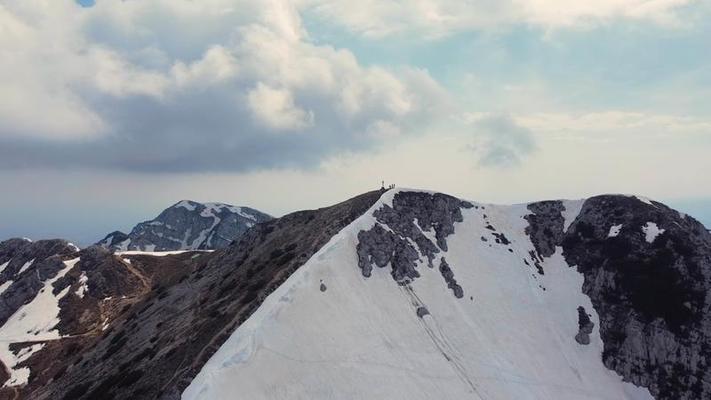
283,105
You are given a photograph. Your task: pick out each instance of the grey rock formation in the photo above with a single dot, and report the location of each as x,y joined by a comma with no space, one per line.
187,225
653,297
113,240
585,327
412,214
545,226
448,276
422,311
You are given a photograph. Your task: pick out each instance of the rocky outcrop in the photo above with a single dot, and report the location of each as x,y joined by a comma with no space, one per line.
585,327
650,287
417,224
187,225
545,226
113,240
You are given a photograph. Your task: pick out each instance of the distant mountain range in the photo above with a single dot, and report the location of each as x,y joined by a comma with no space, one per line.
187,225
393,294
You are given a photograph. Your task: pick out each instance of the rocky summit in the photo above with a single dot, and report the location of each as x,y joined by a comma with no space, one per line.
397,294
187,225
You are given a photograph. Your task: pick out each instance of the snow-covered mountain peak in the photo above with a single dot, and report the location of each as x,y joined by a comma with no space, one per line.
397,294
428,296
187,225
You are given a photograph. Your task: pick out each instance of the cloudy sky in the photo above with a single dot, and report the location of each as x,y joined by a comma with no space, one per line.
112,110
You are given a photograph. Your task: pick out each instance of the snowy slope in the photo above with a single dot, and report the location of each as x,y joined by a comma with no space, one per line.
330,333
34,321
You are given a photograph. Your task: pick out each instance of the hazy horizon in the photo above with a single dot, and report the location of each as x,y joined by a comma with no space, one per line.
113,110
96,224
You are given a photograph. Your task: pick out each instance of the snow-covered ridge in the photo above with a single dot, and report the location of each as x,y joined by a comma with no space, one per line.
159,253
330,332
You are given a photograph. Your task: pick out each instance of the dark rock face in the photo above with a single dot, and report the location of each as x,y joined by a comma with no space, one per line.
412,214
113,240
585,327
182,310
188,225
422,311
545,226
448,276
653,296
654,299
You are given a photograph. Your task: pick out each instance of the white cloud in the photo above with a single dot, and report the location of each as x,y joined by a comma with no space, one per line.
167,71
118,77
379,18
499,141
560,13
613,124
275,109
36,101
217,65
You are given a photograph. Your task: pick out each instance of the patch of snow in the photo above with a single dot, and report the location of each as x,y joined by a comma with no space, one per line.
158,253
73,246
24,267
27,239
614,231
34,321
105,325
3,266
645,200
5,285
233,209
203,235
363,338
571,212
186,204
123,246
83,287
651,231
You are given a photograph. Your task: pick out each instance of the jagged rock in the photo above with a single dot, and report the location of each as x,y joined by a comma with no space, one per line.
448,276
653,299
113,240
412,214
545,226
585,327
